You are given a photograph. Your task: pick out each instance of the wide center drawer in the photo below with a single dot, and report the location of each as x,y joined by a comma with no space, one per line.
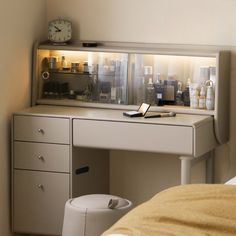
41,129
41,156
133,136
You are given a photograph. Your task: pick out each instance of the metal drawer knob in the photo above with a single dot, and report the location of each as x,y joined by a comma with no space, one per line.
41,131
40,158
40,186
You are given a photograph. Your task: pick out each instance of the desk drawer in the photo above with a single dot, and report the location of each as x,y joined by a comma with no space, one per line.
39,201
41,129
41,156
133,136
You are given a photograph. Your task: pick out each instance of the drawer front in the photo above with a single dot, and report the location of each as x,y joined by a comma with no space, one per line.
41,129
39,200
41,156
133,136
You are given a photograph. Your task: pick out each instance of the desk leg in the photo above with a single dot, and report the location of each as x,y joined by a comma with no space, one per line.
210,167
185,170
188,162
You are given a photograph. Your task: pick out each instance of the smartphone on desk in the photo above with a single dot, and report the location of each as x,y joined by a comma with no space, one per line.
142,110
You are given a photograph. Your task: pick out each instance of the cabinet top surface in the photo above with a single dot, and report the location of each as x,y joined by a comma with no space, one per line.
111,115
196,50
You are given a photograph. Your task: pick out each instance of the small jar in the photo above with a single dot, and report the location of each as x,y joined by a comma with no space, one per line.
86,67
52,63
74,67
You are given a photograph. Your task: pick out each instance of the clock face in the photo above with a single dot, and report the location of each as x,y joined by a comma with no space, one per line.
59,31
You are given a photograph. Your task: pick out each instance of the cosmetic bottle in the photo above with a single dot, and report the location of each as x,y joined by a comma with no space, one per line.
210,99
186,97
202,98
159,89
64,63
179,95
150,92
194,99
113,92
86,67
170,88
53,63
213,74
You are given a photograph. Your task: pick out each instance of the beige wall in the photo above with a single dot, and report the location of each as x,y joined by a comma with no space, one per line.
159,21
21,22
139,175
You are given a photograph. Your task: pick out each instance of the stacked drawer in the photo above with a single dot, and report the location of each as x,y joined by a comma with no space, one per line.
41,166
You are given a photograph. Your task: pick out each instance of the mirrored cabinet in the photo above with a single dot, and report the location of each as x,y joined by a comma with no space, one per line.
87,76
160,79
190,80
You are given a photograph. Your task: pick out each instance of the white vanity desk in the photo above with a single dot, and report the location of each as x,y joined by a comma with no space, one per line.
190,136
60,145
62,152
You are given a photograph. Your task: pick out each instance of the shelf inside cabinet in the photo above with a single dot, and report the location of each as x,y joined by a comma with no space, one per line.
165,108
68,72
64,72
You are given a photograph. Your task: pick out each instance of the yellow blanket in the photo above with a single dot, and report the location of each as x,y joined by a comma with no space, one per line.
189,210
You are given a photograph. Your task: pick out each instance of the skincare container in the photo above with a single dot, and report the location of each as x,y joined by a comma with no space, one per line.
202,98
179,95
210,100
159,89
150,92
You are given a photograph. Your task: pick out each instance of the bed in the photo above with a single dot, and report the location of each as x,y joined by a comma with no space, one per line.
186,210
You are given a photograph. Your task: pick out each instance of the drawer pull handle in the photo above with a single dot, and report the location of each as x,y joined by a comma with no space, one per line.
40,186
41,131
82,170
40,158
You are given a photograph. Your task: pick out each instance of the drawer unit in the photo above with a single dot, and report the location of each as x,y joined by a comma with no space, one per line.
133,136
41,156
41,173
41,129
47,171
39,200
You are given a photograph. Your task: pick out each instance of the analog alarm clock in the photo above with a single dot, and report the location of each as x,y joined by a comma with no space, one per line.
59,31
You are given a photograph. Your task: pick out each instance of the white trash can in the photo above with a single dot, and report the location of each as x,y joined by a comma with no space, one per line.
90,215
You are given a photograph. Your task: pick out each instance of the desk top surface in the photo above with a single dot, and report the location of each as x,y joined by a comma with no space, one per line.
112,115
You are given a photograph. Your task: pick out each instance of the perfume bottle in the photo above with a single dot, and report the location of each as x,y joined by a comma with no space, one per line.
170,88
64,63
159,89
202,98
186,96
179,95
150,92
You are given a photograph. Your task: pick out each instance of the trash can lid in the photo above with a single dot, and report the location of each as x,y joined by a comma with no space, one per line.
100,201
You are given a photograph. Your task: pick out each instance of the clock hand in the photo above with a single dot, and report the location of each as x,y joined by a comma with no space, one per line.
57,29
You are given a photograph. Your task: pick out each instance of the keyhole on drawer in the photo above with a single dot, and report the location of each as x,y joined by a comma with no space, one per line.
40,158
40,186
41,131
